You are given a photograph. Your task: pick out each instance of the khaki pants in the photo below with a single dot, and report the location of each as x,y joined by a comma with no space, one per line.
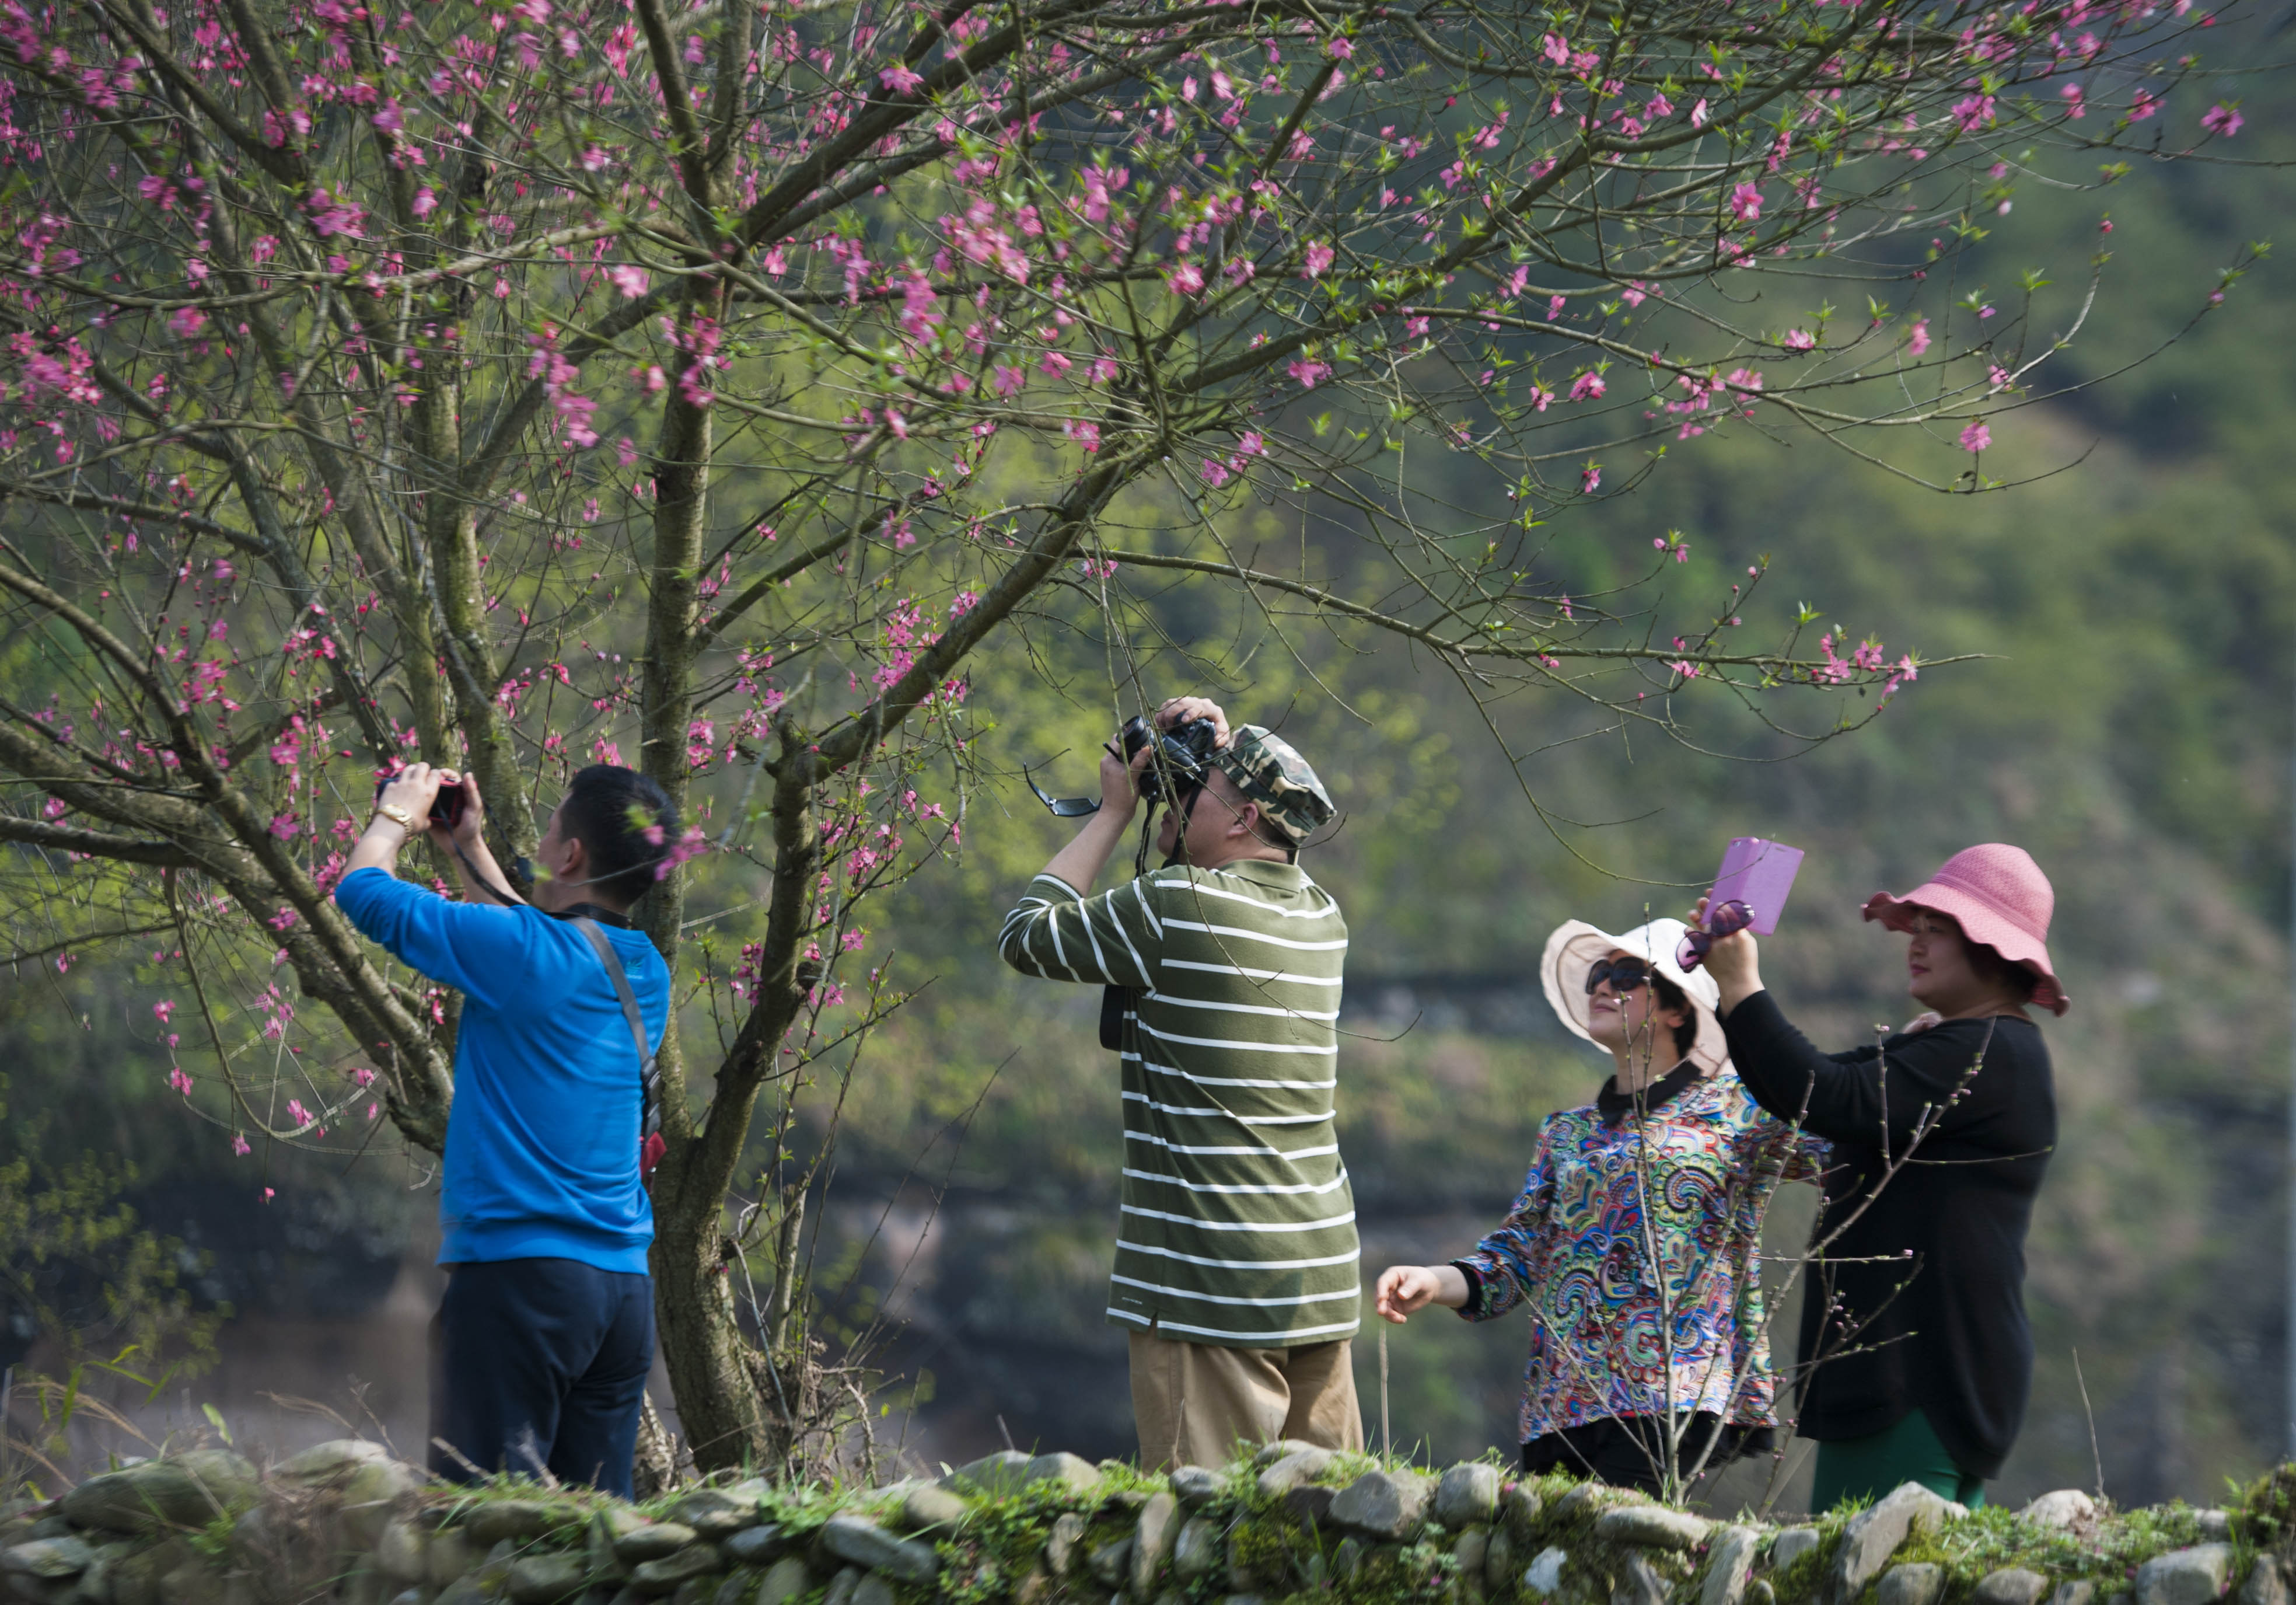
1195,1403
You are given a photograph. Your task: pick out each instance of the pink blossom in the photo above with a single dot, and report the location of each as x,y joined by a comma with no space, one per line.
161,1011
1800,340
630,279
901,80
1214,472
1587,386
1918,340
1746,203
331,218
1341,48
1976,438
2143,104
1698,114
2072,95
1006,379
1318,257
1308,372
1186,278
1590,478
1087,435
2221,119
239,1145
187,321
180,1081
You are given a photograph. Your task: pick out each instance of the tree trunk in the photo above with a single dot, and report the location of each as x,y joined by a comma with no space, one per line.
726,1420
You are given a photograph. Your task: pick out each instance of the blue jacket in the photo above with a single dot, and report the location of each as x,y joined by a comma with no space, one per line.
542,1149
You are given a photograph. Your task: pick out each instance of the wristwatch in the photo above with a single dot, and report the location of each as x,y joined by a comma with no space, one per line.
396,815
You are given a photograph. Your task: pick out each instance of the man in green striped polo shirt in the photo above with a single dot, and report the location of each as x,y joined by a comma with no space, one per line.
1236,1255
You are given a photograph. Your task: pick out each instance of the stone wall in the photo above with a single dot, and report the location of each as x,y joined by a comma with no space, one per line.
343,1522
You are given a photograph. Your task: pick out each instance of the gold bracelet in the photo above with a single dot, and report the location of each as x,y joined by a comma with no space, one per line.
396,815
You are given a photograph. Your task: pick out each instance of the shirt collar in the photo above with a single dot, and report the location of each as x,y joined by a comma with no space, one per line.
1613,1104
604,917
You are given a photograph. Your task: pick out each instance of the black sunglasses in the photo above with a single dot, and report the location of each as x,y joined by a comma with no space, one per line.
1624,974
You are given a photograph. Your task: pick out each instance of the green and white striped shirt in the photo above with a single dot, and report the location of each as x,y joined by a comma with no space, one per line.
1238,1225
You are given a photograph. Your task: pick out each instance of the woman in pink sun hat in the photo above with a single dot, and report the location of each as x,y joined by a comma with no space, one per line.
1916,1356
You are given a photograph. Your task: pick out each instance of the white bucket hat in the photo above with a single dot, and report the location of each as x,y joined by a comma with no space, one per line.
1575,946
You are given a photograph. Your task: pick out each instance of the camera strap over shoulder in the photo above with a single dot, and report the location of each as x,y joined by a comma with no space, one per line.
651,1144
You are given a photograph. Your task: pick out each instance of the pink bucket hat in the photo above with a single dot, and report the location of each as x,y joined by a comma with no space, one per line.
2001,899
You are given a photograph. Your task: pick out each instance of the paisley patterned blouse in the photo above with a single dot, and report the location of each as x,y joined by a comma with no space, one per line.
1577,1249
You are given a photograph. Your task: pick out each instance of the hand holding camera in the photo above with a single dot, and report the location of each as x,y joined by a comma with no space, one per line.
1157,762
443,799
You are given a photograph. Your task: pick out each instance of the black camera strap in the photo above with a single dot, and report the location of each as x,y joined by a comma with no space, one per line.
651,1142
1115,1001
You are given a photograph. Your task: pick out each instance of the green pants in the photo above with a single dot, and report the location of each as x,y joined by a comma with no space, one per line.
1870,1467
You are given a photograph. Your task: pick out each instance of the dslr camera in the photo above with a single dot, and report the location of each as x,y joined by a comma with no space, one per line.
1184,757
1183,753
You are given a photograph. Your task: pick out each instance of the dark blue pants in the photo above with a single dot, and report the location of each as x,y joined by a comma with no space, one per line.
540,1364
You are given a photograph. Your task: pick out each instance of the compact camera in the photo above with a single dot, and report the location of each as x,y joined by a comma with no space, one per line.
446,808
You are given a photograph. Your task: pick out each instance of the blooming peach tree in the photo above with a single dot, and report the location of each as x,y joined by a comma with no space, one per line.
513,385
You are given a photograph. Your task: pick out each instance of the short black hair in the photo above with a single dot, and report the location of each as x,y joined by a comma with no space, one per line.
1991,967
625,822
1670,996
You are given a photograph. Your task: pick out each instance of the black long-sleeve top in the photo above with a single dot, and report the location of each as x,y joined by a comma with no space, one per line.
1944,1329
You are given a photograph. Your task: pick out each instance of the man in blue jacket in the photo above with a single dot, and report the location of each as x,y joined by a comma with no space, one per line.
541,1345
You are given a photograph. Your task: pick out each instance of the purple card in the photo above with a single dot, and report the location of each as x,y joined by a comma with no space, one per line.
1759,874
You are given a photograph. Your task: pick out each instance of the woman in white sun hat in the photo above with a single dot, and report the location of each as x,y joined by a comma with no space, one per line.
1641,1373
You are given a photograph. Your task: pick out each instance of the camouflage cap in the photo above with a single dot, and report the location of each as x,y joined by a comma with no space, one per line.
1268,770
